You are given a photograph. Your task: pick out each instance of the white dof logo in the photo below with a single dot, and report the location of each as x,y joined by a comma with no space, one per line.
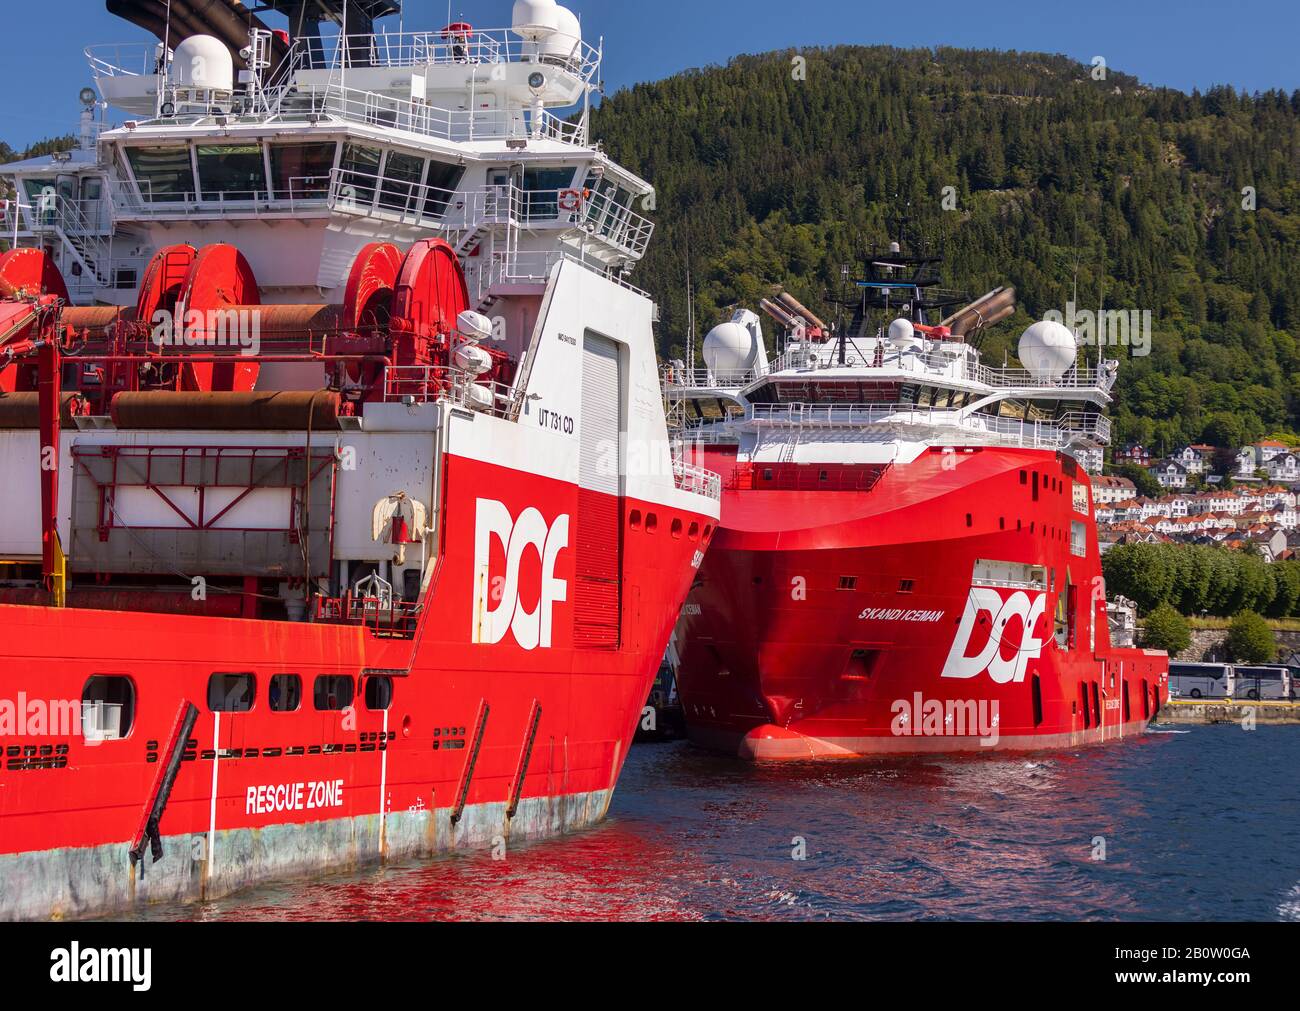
497,607
985,600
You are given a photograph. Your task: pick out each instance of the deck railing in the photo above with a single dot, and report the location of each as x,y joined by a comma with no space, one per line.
697,480
1066,430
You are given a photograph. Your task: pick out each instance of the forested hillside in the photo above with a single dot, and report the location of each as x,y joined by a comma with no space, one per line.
767,178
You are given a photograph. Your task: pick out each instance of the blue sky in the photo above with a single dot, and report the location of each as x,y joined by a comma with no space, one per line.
1181,43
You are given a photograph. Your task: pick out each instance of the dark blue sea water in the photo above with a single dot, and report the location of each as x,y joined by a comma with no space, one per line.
1199,823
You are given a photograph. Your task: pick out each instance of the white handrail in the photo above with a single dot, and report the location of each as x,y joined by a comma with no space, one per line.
1066,430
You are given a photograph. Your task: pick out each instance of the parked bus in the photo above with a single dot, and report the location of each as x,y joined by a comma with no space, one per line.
1263,683
1200,681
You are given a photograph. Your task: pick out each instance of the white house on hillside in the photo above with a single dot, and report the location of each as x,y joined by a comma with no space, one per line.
1196,459
1283,467
1170,474
1106,490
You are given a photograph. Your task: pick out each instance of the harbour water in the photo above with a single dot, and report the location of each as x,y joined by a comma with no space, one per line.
1186,823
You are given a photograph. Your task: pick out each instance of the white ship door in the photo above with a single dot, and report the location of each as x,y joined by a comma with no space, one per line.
597,597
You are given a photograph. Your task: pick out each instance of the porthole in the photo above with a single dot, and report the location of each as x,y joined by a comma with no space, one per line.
333,693
231,693
285,693
107,707
379,693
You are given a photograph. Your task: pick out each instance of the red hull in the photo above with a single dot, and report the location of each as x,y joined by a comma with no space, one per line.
264,792
837,623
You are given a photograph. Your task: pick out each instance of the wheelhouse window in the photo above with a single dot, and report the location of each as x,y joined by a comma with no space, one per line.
401,186
542,191
164,174
302,171
231,693
231,172
333,693
285,693
107,707
359,173
444,181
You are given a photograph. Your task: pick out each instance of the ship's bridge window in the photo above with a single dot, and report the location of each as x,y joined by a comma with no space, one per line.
231,172
164,174
542,191
333,693
442,183
401,186
359,172
107,707
302,171
231,693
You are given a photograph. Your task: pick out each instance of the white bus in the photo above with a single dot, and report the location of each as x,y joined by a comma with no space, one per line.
1263,683
1200,681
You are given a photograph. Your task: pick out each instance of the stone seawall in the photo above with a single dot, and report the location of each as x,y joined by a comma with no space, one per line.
1184,711
1208,645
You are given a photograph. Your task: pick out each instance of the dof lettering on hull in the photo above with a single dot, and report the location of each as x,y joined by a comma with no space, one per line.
498,606
1029,646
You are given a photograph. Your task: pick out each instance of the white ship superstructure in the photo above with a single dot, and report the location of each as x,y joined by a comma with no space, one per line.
881,391
321,145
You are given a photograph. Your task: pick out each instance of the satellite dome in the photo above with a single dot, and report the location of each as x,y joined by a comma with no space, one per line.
1047,350
902,333
567,38
733,346
204,63
535,20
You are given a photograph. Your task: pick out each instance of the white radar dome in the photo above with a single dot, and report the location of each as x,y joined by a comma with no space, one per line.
902,333
733,346
1047,350
535,20
204,63
567,39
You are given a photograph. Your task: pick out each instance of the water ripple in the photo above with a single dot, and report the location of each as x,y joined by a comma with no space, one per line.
1198,825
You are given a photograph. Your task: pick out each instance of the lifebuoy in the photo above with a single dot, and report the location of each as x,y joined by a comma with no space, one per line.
570,200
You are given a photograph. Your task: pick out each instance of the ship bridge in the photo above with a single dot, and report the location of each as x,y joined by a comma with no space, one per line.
906,383
303,146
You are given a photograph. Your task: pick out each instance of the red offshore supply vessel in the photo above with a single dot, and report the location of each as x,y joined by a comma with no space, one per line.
907,558
318,379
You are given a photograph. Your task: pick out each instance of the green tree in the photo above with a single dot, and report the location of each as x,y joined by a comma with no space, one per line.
1141,572
1250,640
1131,190
1166,629
1145,484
